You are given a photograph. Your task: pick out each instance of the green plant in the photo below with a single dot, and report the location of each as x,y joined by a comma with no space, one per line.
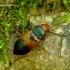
64,18
66,4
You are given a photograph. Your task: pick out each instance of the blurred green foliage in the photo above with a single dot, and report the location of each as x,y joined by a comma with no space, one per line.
64,18
12,16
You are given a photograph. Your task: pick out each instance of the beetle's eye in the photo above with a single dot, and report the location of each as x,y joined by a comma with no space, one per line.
39,32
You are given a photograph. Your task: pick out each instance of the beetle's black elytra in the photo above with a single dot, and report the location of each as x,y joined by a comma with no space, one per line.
19,48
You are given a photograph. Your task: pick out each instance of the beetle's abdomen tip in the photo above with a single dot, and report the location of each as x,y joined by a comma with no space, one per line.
22,51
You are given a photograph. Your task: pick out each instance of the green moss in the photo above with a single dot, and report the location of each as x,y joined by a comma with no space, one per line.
66,3
64,18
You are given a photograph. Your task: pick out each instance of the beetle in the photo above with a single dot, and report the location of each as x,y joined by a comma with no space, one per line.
30,39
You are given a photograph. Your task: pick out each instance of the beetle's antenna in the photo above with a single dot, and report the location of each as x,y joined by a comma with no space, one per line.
58,34
11,63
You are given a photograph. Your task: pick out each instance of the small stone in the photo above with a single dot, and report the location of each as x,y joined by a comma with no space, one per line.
51,44
64,47
11,69
69,30
41,58
59,31
63,13
49,19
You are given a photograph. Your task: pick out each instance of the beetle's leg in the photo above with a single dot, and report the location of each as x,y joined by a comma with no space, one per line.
42,44
20,57
11,63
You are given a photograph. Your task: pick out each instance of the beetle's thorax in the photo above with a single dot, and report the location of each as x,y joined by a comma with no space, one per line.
33,37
